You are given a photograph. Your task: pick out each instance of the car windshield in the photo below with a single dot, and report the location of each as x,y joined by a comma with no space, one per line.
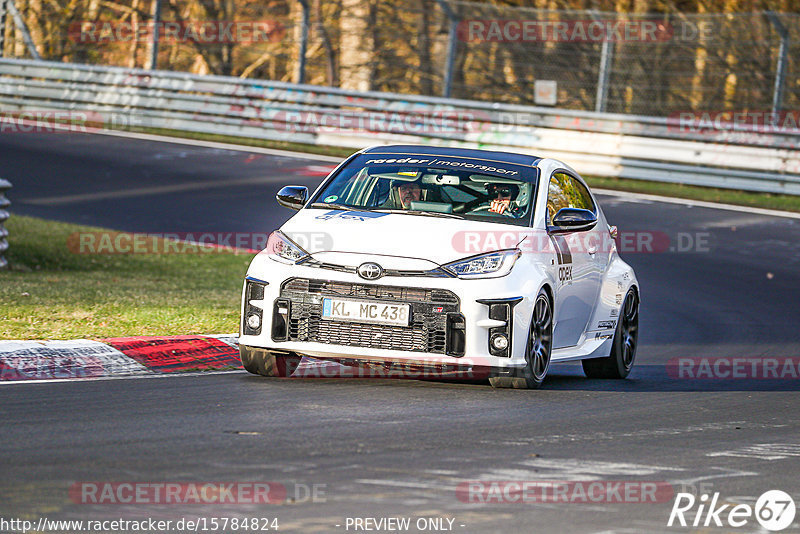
436,186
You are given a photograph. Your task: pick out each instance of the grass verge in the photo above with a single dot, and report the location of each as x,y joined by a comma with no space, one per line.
51,292
708,194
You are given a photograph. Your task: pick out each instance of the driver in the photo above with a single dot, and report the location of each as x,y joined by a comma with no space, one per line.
502,196
408,192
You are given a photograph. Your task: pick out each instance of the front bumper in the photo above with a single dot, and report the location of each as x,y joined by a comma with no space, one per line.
450,326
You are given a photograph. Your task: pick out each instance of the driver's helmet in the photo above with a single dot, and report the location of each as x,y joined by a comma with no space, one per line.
494,189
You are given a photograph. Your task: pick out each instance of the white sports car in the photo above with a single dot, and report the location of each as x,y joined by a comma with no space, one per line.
463,262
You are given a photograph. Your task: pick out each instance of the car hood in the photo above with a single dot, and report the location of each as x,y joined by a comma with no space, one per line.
335,235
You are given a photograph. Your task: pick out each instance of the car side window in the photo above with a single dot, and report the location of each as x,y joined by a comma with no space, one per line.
566,192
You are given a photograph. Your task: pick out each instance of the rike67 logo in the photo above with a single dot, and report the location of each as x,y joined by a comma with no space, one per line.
774,510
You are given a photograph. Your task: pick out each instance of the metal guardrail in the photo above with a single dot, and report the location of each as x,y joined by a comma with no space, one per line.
5,185
646,148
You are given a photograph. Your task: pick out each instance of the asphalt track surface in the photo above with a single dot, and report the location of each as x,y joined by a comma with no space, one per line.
399,448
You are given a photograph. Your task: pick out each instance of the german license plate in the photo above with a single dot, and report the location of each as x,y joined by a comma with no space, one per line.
366,312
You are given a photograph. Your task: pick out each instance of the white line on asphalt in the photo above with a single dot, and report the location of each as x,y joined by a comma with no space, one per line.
224,146
155,190
698,203
731,473
401,484
762,451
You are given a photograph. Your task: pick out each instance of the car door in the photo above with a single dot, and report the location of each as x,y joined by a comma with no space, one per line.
598,245
577,274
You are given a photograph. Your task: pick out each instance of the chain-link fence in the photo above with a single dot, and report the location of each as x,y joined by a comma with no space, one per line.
644,64
648,64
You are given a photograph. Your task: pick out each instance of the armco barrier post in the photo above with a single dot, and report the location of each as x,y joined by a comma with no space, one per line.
5,185
22,28
604,72
452,44
783,58
3,12
301,63
152,62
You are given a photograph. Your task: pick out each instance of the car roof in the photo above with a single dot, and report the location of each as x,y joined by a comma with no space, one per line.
506,157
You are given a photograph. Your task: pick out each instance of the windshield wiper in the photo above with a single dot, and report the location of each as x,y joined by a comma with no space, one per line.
337,206
418,212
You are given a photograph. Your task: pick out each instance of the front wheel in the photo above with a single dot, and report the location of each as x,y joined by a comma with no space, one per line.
623,349
265,363
537,351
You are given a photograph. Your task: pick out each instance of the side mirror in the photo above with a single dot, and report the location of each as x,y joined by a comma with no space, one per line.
572,220
292,196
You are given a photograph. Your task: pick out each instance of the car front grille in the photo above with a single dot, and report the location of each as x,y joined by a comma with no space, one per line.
438,272
426,333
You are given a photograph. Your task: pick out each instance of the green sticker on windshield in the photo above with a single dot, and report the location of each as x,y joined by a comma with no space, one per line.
332,198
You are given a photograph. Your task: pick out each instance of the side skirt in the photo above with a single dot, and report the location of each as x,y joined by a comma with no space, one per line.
594,345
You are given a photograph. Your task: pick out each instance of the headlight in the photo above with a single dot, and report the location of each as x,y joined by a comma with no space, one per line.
492,265
283,249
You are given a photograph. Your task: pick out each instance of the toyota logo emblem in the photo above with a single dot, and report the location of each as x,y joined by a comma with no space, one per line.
370,271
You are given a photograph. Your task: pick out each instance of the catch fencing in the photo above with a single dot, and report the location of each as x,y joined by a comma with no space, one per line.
654,64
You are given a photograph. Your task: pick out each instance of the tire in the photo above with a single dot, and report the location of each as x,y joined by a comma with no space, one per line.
538,349
623,348
265,363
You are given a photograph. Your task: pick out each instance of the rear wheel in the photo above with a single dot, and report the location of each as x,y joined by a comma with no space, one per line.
623,349
265,363
537,351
